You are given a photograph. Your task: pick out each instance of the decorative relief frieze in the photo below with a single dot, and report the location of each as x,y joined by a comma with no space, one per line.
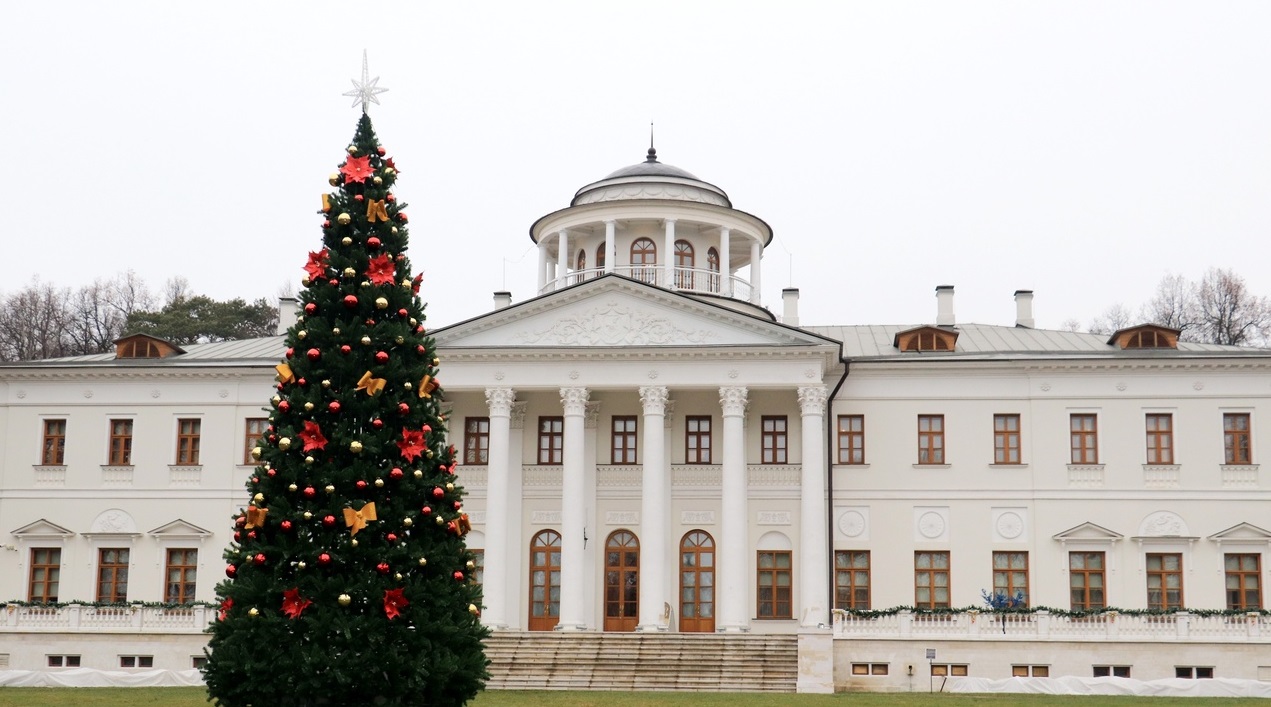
774,518
477,517
622,518
50,476
116,475
1163,524
697,517
1239,475
652,190
592,415
774,474
548,476
1161,476
545,518
1085,476
708,475
609,476
181,475
516,417
614,324
474,476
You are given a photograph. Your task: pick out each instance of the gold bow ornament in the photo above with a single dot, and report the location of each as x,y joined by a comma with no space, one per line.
284,373
256,517
375,210
370,384
356,520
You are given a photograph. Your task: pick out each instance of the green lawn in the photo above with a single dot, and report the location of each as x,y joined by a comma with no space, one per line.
196,697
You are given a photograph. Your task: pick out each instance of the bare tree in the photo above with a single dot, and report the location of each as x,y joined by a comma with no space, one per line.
1071,324
1175,305
1229,313
1113,319
175,289
34,323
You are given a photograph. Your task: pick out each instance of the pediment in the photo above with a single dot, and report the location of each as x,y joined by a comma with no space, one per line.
180,529
615,312
42,529
1088,532
1242,533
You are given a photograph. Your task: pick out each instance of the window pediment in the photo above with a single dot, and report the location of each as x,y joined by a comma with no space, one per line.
1145,336
1088,532
42,529
926,338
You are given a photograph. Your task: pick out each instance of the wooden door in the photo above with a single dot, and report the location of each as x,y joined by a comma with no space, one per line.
545,581
622,581
697,582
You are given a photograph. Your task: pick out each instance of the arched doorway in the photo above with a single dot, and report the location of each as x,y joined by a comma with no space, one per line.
697,582
684,260
712,264
581,265
600,257
644,260
545,581
622,581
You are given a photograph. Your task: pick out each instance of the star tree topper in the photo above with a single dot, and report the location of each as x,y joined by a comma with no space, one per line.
364,91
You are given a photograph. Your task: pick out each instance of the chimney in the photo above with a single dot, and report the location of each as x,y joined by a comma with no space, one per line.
944,306
288,309
1024,309
790,300
502,299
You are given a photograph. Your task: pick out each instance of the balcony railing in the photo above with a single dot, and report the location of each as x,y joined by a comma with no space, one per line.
1044,626
700,280
106,619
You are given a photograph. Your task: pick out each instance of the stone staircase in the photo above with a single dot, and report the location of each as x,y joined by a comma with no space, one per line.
694,662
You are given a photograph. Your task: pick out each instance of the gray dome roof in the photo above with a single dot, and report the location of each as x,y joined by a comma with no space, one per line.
652,168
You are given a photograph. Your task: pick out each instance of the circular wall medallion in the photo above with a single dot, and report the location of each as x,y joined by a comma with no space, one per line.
1010,525
931,524
852,524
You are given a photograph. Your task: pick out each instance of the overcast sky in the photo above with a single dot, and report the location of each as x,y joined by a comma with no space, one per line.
1078,149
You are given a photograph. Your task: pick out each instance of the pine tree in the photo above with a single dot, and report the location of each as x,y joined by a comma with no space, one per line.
348,579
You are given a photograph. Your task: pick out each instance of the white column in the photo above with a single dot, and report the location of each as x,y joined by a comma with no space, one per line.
611,250
542,267
725,263
668,259
733,591
756,257
653,510
572,525
813,552
562,259
517,572
497,556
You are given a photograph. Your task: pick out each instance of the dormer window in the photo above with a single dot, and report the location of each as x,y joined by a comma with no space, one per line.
145,346
927,338
1145,336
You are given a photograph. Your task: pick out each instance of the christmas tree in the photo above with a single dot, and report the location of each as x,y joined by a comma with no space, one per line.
348,579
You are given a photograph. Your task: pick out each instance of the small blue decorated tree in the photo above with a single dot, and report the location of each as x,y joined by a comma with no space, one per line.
1000,602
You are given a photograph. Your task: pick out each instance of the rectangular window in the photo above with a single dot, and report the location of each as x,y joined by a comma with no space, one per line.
1010,574
1160,439
851,579
773,583
182,568
476,440
1244,580
188,431
931,439
1165,581
931,580
54,449
697,439
1194,672
953,670
120,443
1112,671
1030,671
1006,439
869,668
198,662
623,447
112,575
851,439
63,661
551,440
136,661
1085,439
1085,580
254,431
774,439
1235,438
46,572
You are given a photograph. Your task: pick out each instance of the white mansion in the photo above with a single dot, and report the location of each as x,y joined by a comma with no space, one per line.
647,448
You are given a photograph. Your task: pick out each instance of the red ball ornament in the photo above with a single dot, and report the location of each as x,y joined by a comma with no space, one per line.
272,472
377,423
358,197
238,537
324,559
373,243
231,571
402,217
370,322
284,406
255,479
251,535
328,521
310,492
326,224
382,568
273,438
421,350
438,492
333,282
403,408
281,387
311,308
313,354
302,382
458,505
426,510
285,525
381,357
459,576
259,558
391,537
390,198
402,313
334,406
379,151
396,474
345,349
350,301
240,521
290,352
361,484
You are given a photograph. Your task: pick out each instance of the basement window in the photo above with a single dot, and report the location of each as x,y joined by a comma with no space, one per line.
1030,671
1194,672
869,668
136,661
198,662
955,670
63,661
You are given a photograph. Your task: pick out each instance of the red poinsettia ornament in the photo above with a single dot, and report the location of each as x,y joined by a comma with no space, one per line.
381,270
317,265
412,444
293,604
394,602
357,169
312,436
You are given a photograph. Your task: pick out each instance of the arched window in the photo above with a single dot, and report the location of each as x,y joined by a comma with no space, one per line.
600,257
622,581
683,265
697,582
545,581
712,264
581,265
644,260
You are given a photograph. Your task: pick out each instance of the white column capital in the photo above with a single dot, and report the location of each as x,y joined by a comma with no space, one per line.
517,415
733,400
654,398
574,400
592,415
670,221
500,401
812,399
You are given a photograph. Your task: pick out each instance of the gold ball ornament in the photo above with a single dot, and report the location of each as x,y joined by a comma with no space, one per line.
423,561
366,283
450,487
308,515
352,149
346,241
407,522
334,179
381,303
353,542
440,520
471,565
407,385
308,407
366,341
329,488
345,600
252,612
302,333
349,272
275,400
309,460
327,383
258,497
419,473
400,340
390,171
394,229
301,564
379,483
344,219
355,447
377,181
436,362
398,576
413,322
284,443
292,488
256,452
472,609
306,281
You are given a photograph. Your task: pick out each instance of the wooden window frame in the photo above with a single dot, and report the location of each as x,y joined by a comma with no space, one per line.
1159,428
53,446
1110,671
1236,439
1242,577
1030,671
600,257
955,670
851,439
698,444
646,270
847,576
551,441
1086,604
189,434
931,585
476,440
1006,439
140,662
870,669
1194,672
120,451
254,431
183,590
684,259
1161,574
45,575
931,440
1009,583
623,439
781,603
112,575
775,439
1083,441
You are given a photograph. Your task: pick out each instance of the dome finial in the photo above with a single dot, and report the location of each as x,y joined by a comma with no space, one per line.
653,153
